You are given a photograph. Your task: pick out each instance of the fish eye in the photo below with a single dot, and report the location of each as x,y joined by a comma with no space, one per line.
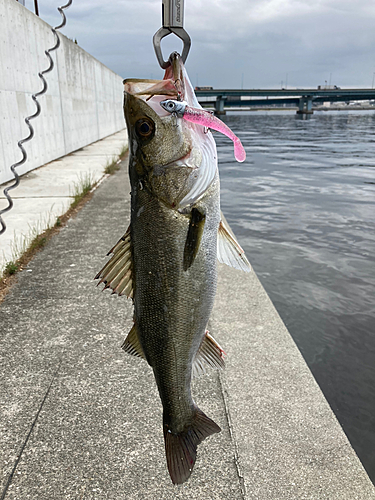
144,127
170,105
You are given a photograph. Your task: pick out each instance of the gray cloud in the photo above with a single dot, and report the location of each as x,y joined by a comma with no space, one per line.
265,40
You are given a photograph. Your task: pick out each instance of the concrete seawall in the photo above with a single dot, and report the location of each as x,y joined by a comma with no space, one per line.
83,102
99,432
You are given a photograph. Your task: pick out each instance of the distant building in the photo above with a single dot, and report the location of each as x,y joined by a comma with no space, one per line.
328,87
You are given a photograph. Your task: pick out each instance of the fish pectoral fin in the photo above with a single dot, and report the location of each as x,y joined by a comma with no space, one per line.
229,251
117,273
194,237
181,448
132,344
209,353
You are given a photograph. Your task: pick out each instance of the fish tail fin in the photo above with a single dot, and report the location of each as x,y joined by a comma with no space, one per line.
181,449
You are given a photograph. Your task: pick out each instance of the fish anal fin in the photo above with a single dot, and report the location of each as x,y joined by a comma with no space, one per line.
132,345
229,251
193,237
209,353
181,448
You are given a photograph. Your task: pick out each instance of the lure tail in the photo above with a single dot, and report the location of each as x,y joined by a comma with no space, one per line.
206,119
239,150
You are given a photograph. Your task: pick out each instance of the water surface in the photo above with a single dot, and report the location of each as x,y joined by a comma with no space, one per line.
303,208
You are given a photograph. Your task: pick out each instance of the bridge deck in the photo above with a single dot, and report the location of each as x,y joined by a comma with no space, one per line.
229,98
349,94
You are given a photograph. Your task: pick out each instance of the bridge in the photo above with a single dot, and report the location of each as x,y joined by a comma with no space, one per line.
303,98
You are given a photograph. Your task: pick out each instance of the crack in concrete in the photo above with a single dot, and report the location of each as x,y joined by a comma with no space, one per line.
10,477
224,392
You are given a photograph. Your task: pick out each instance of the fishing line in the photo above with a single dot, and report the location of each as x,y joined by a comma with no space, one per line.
31,117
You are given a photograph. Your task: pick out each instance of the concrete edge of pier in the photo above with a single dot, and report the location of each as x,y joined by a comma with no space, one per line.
80,419
289,442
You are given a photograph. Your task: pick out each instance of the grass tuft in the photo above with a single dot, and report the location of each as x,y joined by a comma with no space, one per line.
11,268
82,188
123,151
38,242
112,166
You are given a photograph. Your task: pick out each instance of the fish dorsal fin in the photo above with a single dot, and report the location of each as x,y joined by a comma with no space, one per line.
193,238
117,273
132,344
209,353
229,251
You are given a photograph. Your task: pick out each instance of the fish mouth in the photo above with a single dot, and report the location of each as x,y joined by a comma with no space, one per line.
154,91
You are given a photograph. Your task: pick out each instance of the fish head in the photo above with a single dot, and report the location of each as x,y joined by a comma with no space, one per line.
155,140
175,159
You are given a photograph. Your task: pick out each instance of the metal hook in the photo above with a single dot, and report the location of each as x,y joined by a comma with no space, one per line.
172,20
175,120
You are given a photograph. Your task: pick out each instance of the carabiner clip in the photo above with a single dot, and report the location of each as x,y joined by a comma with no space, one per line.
172,20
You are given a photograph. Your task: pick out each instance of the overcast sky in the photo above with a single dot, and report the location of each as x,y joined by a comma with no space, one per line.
261,42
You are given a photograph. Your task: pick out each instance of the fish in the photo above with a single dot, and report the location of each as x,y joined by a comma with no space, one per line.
166,261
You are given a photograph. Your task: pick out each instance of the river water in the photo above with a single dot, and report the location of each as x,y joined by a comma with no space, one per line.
303,207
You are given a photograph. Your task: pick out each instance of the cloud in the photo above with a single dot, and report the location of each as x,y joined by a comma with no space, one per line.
263,39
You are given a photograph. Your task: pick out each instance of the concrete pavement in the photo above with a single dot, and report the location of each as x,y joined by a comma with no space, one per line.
98,433
47,192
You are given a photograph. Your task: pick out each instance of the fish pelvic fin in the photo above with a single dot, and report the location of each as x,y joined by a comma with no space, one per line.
193,238
117,273
181,449
132,344
229,251
209,353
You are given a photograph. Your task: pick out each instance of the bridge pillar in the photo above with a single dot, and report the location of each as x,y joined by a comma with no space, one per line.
305,106
219,105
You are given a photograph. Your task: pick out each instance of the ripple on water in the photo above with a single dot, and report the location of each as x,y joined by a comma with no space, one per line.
303,211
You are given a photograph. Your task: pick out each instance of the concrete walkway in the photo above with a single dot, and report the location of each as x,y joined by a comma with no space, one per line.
82,420
47,192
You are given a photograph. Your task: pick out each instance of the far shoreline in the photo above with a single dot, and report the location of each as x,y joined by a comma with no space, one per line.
295,109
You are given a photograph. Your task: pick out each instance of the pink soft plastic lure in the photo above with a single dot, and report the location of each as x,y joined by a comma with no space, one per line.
205,118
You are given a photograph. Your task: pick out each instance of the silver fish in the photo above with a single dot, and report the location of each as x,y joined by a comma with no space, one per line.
167,260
